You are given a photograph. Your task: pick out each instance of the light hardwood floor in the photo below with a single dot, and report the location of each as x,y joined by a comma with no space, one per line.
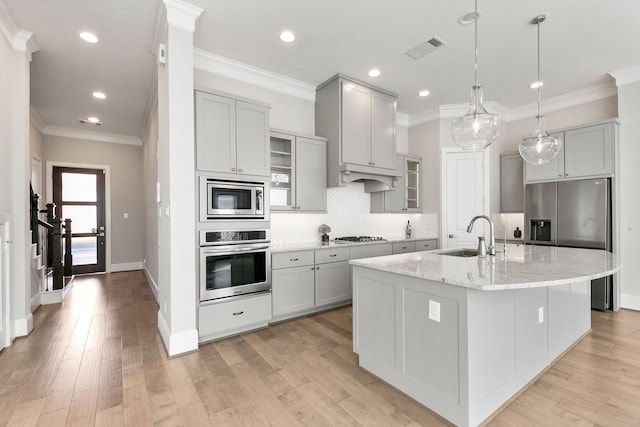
97,359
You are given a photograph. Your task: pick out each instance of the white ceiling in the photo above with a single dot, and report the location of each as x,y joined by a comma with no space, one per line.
582,41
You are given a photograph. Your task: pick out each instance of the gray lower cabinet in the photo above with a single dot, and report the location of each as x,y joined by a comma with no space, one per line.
404,247
232,135
305,281
373,250
221,319
426,245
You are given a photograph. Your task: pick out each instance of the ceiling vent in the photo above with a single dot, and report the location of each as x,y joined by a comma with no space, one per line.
423,48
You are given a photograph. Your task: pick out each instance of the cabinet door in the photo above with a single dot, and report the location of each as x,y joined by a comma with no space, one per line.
549,171
311,175
412,177
588,151
394,200
292,290
283,186
383,131
252,139
511,189
404,247
356,124
426,245
333,283
215,133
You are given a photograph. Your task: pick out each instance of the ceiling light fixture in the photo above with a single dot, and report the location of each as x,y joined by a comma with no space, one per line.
536,85
374,72
93,120
287,36
88,37
478,128
99,95
469,18
424,93
540,147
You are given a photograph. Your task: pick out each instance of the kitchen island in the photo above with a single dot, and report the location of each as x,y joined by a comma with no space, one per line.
462,335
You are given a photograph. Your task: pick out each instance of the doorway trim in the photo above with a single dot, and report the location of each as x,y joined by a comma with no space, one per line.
486,167
107,197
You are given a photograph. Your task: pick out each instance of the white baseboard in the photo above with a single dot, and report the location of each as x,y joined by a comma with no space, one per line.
631,302
176,344
126,266
35,302
152,283
51,297
23,327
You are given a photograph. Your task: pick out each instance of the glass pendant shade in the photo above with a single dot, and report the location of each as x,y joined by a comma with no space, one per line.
540,147
478,128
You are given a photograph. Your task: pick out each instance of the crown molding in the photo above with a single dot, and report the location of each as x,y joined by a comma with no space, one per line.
571,99
627,75
216,64
402,119
36,119
92,136
182,14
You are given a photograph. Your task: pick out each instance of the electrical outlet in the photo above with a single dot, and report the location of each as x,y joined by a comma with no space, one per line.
125,215
434,310
164,306
540,314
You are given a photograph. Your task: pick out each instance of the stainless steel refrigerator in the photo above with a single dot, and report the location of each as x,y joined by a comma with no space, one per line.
574,214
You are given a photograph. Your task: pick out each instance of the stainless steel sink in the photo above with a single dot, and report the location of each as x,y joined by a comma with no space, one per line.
461,253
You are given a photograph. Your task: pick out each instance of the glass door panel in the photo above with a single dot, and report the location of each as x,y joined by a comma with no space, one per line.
281,193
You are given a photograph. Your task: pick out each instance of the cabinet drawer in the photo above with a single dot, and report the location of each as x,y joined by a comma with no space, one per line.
332,255
291,259
404,247
236,314
373,250
426,245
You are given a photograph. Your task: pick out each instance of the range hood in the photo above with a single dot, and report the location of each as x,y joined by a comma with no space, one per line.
375,179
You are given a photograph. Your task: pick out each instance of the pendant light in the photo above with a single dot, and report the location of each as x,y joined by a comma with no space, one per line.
540,147
478,128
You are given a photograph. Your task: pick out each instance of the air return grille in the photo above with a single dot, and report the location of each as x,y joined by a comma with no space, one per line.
423,48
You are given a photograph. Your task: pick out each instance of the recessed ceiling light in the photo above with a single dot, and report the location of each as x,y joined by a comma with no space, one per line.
88,37
536,85
374,72
93,120
469,18
99,95
287,36
424,93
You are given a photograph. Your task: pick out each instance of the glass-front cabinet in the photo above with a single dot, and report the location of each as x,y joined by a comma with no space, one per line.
298,172
407,195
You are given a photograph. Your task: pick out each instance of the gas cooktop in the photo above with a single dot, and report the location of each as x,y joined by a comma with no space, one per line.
351,239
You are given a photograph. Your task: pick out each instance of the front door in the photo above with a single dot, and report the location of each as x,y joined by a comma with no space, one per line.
463,198
79,194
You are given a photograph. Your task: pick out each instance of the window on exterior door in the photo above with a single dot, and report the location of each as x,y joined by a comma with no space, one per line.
79,194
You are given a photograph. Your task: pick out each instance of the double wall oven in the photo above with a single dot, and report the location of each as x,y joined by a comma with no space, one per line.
234,239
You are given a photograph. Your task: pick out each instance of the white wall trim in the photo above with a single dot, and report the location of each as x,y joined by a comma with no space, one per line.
216,64
632,302
623,76
51,297
126,266
152,283
179,343
92,136
22,327
182,14
107,196
35,302
36,119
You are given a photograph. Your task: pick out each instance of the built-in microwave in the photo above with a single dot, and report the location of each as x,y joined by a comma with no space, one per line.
221,199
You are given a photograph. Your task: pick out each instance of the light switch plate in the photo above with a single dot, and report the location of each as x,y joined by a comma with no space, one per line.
434,310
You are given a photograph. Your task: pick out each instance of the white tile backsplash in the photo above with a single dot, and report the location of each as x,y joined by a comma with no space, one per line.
348,215
510,222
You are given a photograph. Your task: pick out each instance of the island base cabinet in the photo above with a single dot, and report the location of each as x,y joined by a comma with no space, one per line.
461,352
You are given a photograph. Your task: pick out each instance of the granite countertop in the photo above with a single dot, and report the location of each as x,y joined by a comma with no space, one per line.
525,266
301,246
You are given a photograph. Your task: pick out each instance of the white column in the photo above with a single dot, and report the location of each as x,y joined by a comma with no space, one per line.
21,318
177,286
628,82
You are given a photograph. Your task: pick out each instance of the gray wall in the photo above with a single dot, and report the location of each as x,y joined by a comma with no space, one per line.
150,178
125,161
5,125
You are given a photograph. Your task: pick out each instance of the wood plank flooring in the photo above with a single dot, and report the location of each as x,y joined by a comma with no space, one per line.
97,359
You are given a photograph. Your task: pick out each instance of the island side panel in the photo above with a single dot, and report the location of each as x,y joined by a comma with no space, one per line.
569,315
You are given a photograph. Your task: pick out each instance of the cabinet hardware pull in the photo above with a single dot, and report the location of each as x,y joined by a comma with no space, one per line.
404,247
239,169
233,169
333,255
238,313
294,259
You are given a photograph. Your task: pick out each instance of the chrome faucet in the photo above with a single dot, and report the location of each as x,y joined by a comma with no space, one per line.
491,249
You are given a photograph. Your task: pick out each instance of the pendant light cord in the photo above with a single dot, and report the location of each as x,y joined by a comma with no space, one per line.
475,58
539,81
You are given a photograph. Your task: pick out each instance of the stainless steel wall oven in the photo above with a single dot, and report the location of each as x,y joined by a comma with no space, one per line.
234,262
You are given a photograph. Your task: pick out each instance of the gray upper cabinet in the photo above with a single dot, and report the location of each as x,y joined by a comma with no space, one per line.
360,124
587,151
231,135
511,183
298,172
407,195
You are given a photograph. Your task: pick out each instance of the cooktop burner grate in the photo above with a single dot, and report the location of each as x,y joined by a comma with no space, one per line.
359,239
